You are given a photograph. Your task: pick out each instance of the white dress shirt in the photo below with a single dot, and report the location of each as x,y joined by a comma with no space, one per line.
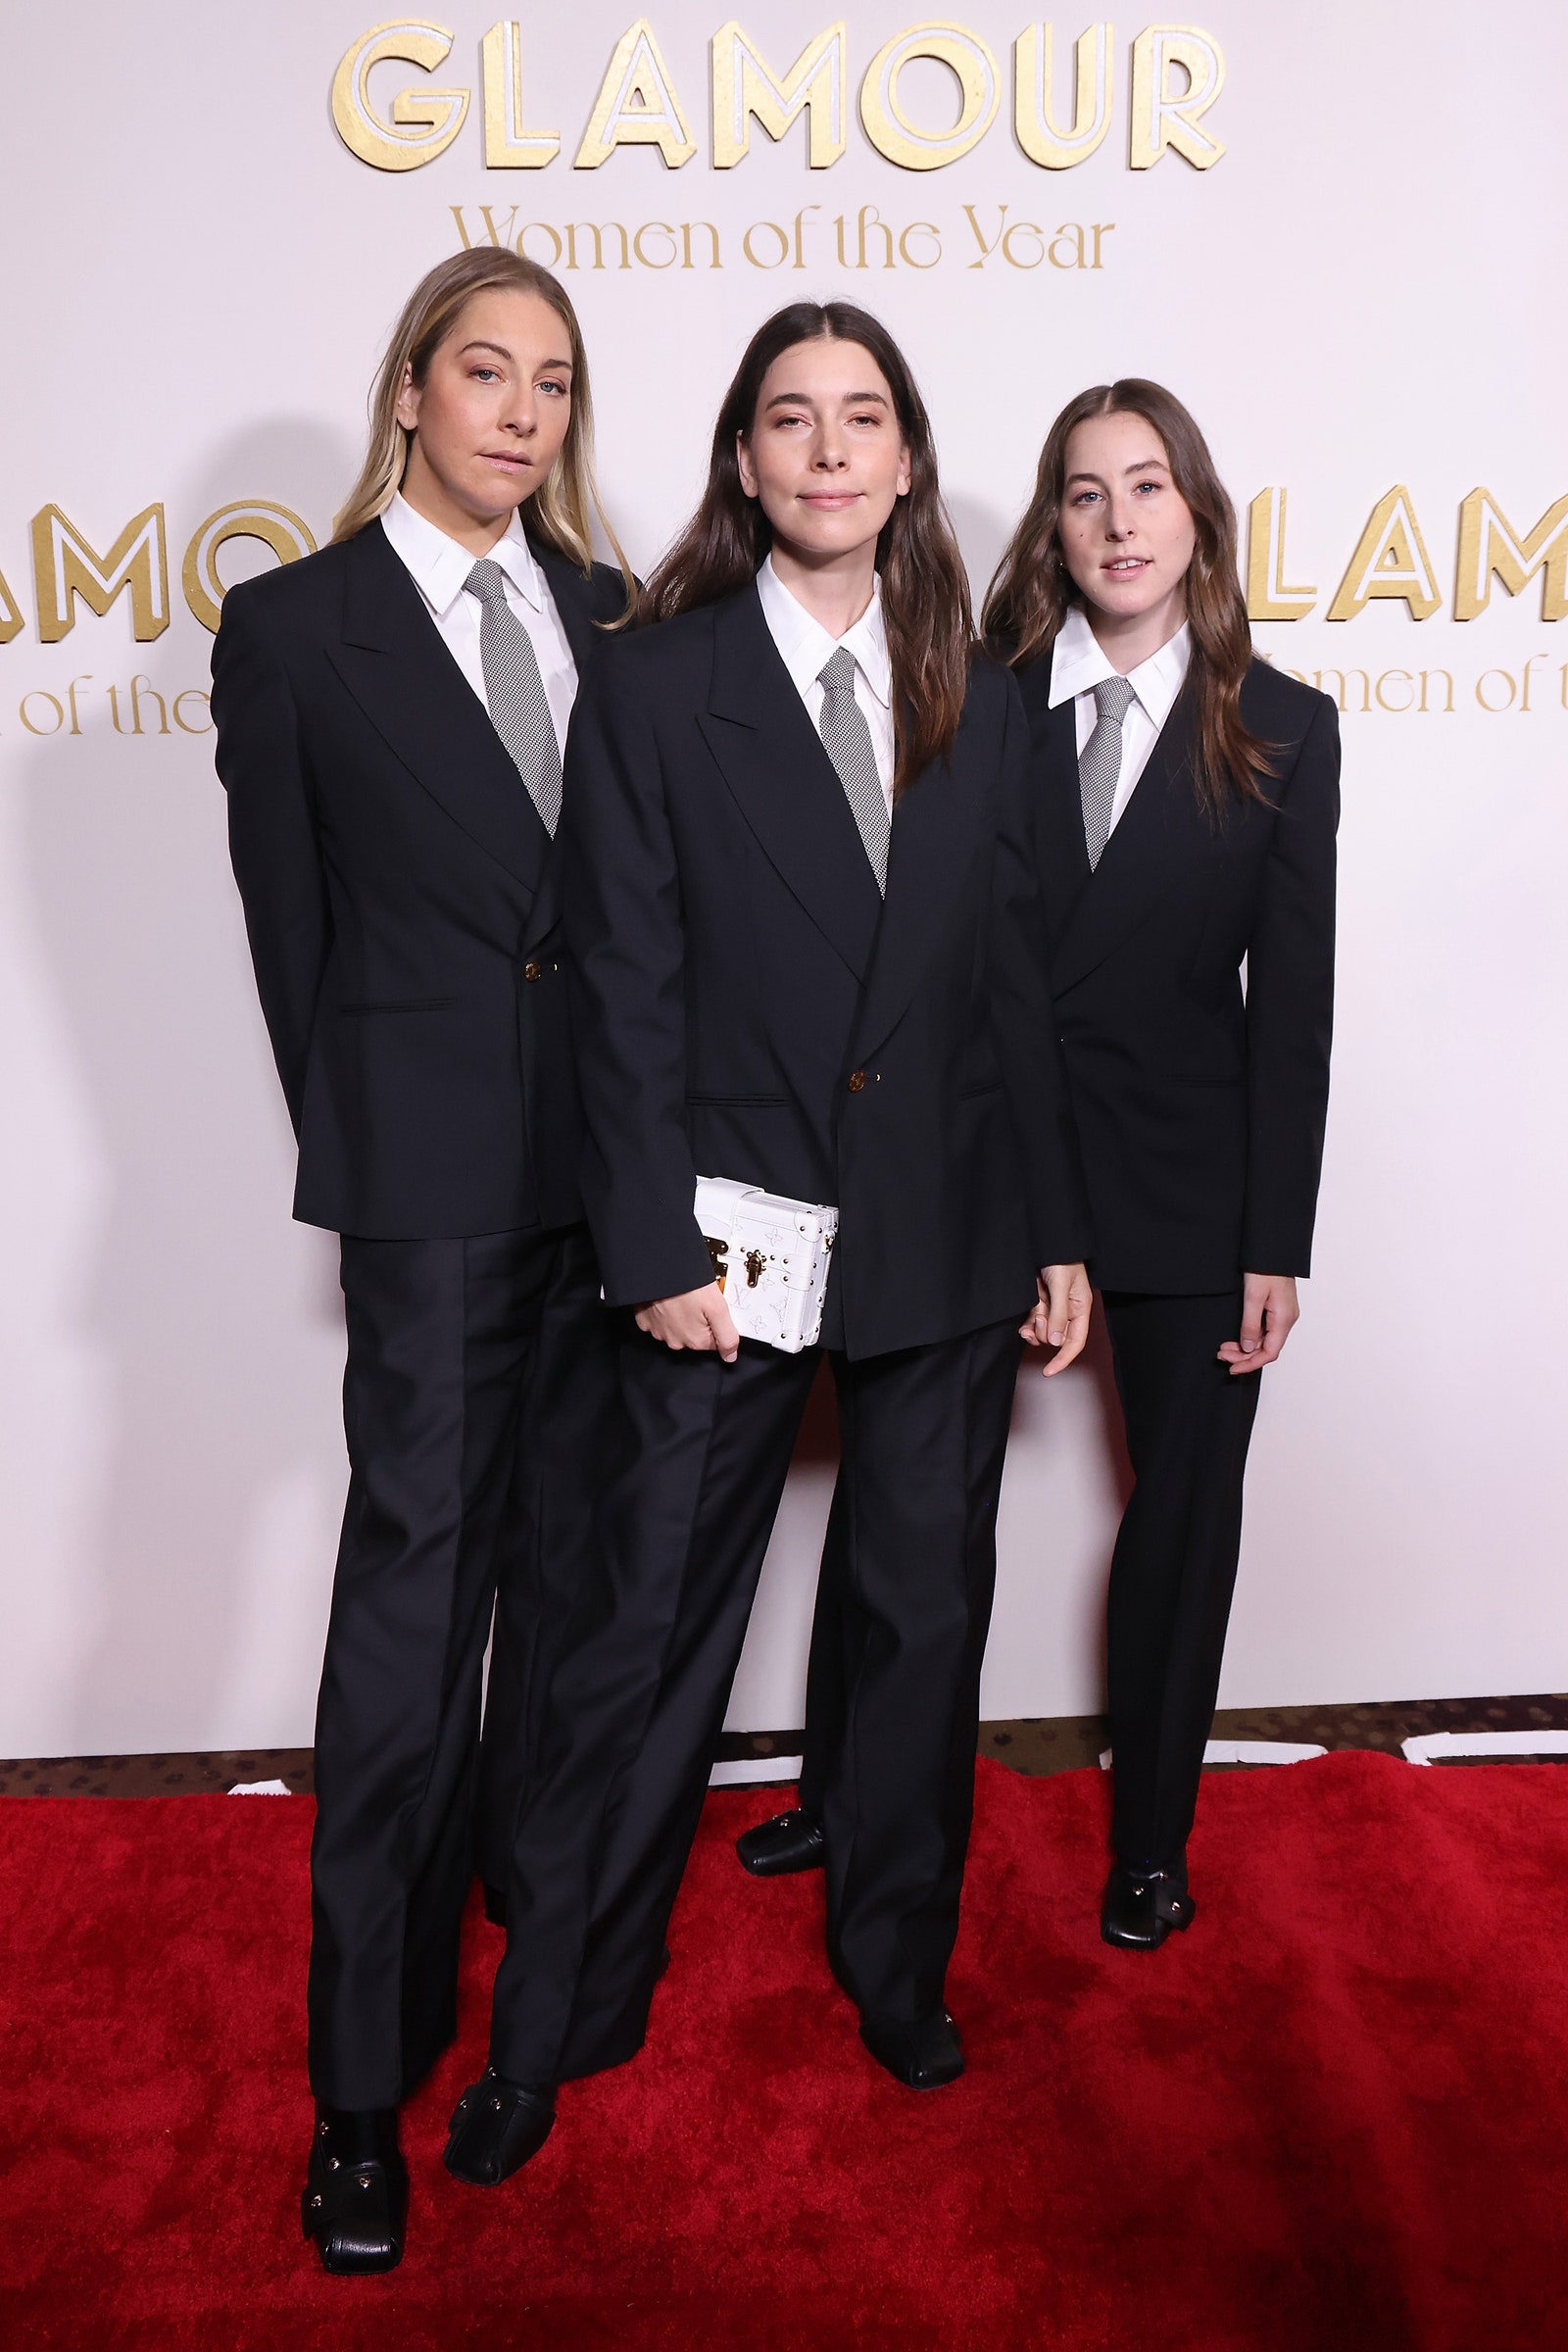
806,648
439,567
1078,665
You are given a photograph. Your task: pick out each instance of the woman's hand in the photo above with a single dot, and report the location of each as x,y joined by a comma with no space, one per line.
697,1319
1269,1307
1060,1318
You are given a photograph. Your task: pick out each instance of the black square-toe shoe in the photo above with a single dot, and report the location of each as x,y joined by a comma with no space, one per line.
1141,1907
775,1849
355,2200
923,2055
496,2127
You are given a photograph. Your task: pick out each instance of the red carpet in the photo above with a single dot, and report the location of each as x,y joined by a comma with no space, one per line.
1334,2116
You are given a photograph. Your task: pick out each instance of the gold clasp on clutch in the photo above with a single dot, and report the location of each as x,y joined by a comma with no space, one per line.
755,1260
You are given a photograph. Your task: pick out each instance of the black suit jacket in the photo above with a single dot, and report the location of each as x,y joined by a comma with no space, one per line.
747,1008
1199,1105
403,900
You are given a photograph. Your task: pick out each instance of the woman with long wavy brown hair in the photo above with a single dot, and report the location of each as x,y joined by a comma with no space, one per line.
1186,798
803,924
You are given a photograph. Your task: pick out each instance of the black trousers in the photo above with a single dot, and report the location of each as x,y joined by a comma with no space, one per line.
1189,1424
642,1683
476,1374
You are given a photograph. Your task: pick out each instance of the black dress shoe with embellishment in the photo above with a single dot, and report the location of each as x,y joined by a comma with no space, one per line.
355,2200
1141,1907
790,1842
496,2127
921,2056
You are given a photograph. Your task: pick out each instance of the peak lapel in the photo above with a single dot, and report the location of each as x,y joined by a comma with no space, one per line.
1057,800
393,662
573,592
773,761
1160,837
932,848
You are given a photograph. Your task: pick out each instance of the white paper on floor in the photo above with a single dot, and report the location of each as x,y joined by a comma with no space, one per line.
1433,1746
755,1768
1246,1751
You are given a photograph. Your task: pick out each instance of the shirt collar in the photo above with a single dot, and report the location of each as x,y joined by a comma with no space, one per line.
440,566
1078,664
806,648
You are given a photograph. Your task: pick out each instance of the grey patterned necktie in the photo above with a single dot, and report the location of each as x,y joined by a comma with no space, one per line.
1100,765
848,738
519,710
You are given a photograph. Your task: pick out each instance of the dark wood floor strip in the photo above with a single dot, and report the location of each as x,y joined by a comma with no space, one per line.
1043,1744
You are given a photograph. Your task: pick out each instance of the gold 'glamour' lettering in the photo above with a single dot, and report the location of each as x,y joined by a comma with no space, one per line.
636,106
1391,561
11,624
1267,596
889,129
1039,135
277,527
1178,70
746,89
1489,545
1163,118
420,125
507,146
65,566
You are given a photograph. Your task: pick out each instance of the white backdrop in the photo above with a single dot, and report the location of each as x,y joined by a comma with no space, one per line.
1363,291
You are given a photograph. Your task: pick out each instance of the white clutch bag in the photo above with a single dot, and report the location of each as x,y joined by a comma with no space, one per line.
770,1259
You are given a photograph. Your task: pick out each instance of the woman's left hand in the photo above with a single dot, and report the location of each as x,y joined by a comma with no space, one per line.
1270,1309
1060,1318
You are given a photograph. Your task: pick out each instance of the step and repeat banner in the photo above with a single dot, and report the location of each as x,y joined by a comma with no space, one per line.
1337,235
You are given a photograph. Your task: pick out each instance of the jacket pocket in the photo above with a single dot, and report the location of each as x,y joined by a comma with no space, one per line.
402,1005
738,1101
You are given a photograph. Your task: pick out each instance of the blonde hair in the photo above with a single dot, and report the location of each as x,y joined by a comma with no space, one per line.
566,503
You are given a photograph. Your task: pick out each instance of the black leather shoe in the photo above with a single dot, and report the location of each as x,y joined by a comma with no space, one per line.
922,2056
788,1842
496,2127
1142,1907
355,2200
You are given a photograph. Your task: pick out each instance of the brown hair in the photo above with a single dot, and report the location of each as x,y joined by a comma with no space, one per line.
1033,590
925,594
565,504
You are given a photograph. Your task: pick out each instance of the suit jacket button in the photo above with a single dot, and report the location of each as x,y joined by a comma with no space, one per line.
532,972
856,1081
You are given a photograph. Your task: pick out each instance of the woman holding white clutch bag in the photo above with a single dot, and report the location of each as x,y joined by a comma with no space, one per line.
804,931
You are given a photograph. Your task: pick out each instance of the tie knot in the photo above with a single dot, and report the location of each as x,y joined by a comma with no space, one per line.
1112,697
837,674
488,582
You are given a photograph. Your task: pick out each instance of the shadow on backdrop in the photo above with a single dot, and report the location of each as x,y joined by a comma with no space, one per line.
207,1555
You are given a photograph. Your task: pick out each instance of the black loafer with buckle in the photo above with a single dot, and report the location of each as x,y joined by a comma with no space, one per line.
355,2200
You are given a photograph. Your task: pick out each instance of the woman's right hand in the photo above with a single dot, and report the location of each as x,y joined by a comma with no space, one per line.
1059,1319
697,1319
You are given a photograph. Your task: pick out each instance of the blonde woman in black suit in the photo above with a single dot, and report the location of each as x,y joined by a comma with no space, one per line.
391,715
